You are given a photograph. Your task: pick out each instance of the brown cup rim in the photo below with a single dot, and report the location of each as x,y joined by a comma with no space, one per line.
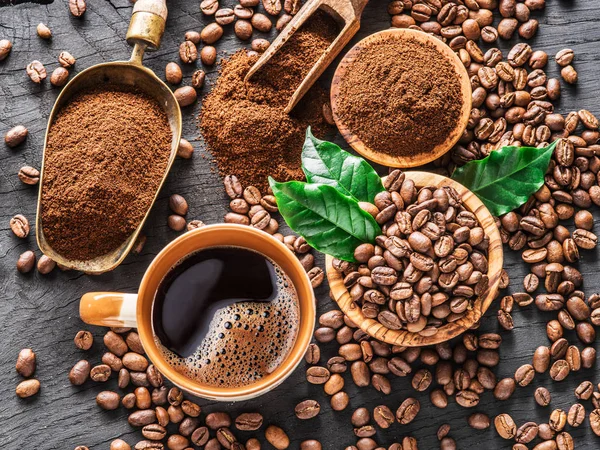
217,236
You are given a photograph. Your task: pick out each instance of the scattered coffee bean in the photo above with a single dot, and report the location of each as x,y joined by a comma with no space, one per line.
84,340
5,48
173,73
66,60
28,388
77,7
36,71
29,175
26,262
15,136
277,437
20,226
26,362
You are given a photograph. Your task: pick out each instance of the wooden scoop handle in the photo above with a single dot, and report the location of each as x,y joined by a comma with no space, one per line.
147,23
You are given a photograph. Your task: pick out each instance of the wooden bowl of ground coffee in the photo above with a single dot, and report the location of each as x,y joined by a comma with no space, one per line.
401,98
449,330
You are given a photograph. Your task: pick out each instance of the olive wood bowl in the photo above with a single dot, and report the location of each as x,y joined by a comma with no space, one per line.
405,338
402,161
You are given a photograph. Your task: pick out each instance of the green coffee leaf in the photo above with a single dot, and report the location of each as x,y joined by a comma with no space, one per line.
330,221
505,179
326,163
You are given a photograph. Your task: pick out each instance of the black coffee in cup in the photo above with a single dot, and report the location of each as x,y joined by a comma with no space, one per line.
226,316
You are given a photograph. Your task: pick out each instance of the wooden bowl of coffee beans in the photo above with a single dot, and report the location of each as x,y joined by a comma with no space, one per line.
434,270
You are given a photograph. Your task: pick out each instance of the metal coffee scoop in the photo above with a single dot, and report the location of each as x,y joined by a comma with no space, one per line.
145,32
346,12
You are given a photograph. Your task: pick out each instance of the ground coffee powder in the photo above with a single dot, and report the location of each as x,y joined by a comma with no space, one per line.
400,97
245,126
107,152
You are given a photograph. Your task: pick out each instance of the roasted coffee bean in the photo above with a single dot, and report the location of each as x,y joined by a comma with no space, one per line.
584,390
29,175
595,421
123,378
407,411
115,343
80,373
216,420
15,136
339,401
108,400
177,442
119,444
569,74
307,409
113,361
310,444
273,7
505,426
5,48
505,389
176,414
200,436
564,57
479,421
277,437
576,415
527,432
243,29
26,362
383,416
27,388
360,417
558,420
438,398
588,357
545,432
154,432
36,71
59,77
249,421
100,373
542,396
360,373
185,95
134,342
77,7
142,418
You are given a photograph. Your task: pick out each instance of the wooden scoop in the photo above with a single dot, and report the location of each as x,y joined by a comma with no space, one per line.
145,31
346,12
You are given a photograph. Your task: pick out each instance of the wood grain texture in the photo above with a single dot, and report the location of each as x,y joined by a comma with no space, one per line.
451,330
408,160
42,311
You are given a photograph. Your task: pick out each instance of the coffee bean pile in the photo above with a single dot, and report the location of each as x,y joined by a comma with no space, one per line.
427,267
162,413
457,21
512,95
26,362
249,207
245,18
462,368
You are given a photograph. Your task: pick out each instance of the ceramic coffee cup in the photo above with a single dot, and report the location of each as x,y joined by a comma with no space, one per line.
135,310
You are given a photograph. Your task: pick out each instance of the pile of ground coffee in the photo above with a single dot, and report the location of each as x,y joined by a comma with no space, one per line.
400,97
107,152
245,126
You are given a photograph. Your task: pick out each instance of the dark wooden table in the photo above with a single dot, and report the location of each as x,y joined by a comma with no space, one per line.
41,312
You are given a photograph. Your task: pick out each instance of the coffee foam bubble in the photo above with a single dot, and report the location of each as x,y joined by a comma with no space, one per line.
245,341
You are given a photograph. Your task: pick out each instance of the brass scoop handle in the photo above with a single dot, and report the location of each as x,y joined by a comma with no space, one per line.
147,26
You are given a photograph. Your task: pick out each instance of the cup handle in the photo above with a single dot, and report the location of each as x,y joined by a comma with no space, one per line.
109,309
